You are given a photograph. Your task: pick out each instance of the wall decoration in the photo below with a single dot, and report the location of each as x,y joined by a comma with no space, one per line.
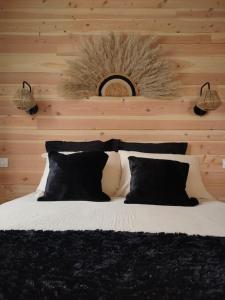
24,99
208,100
120,64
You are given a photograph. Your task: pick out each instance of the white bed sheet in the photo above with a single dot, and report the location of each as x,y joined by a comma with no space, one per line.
26,213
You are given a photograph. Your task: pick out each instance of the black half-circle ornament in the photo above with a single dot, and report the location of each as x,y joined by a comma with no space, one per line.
116,86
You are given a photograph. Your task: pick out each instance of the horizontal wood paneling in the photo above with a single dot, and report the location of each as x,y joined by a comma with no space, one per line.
218,190
11,191
120,107
165,122
107,13
148,135
36,39
20,177
124,4
168,25
195,49
50,43
118,123
21,147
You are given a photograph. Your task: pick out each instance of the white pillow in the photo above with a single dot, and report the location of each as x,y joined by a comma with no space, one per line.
110,178
194,186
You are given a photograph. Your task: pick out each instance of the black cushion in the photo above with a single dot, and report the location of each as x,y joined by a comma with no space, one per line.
158,182
62,146
170,148
115,145
75,177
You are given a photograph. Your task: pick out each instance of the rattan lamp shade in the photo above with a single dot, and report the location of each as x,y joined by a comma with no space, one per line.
24,99
208,100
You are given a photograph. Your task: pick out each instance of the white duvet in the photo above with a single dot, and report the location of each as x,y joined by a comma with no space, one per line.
26,213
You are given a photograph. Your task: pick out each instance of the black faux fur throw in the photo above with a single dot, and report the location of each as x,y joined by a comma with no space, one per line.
110,265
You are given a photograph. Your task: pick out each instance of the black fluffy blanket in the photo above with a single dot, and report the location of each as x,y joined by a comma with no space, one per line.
110,265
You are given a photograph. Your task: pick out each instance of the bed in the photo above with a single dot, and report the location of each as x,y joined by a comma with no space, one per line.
26,213
114,249
56,250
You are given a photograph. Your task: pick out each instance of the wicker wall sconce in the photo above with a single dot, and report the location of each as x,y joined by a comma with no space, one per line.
24,99
209,100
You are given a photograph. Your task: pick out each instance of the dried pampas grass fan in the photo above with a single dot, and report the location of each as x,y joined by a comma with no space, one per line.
119,65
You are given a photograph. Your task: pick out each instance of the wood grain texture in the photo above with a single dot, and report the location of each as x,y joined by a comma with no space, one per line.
163,123
36,39
168,25
11,135
11,191
124,4
118,107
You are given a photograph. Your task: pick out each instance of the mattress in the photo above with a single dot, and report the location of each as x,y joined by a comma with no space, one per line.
26,213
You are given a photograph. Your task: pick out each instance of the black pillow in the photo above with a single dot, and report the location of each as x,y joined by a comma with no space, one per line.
75,177
60,146
115,145
158,182
170,148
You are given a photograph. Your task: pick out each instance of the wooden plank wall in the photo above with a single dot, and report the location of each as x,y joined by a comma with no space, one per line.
38,36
